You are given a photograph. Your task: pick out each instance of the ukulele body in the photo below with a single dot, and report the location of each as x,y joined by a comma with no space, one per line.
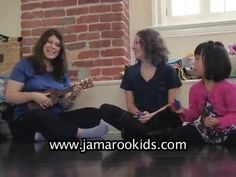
56,96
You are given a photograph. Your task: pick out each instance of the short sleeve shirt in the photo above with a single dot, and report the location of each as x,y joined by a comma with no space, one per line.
153,94
24,72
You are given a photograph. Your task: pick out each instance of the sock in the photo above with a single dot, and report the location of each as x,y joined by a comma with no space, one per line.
39,137
94,132
38,146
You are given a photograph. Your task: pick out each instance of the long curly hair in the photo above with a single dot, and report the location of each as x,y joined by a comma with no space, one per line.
59,63
153,46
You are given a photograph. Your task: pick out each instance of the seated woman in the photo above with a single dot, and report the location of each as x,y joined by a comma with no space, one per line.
29,83
149,85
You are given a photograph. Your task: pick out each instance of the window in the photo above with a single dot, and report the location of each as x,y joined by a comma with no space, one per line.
184,7
177,12
175,18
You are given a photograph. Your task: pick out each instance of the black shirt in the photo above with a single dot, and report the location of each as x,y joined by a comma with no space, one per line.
153,94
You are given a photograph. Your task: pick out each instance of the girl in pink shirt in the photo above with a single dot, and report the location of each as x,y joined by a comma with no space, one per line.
212,101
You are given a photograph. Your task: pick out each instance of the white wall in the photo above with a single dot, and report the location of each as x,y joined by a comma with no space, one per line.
10,17
102,92
140,18
181,46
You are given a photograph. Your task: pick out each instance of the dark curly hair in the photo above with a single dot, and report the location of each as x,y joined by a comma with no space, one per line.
59,63
153,46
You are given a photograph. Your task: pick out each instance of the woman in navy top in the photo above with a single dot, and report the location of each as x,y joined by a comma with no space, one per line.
30,78
149,85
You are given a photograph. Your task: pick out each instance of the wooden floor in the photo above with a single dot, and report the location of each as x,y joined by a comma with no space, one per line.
36,160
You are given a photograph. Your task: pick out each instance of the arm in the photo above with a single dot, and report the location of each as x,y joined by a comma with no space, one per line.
19,76
128,87
230,105
172,94
193,112
173,84
15,95
228,120
130,102
68,100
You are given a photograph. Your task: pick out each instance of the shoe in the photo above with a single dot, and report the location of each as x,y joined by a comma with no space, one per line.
39,137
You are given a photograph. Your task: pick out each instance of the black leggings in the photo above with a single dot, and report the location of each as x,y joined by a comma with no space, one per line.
124,121
53,127
190,134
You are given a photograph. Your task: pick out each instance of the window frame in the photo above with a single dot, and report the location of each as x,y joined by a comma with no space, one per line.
216,25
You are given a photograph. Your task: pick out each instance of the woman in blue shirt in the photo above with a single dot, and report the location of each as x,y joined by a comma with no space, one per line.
30,78
149,85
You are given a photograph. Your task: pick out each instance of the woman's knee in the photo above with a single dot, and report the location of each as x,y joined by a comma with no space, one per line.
106,110
94,114
113,114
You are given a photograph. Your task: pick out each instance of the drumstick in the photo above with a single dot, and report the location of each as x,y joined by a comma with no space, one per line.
161,109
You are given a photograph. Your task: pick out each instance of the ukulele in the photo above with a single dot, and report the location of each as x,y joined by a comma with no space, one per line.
57,95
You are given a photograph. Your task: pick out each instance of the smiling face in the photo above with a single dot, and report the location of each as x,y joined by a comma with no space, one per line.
138,49
51,48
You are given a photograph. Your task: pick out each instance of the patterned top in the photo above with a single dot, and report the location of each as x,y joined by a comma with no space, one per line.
221,102
210,134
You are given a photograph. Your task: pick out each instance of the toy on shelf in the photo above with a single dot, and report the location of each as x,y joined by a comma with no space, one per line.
184,66
232,49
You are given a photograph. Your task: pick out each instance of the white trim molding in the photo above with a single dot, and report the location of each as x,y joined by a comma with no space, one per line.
197,29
